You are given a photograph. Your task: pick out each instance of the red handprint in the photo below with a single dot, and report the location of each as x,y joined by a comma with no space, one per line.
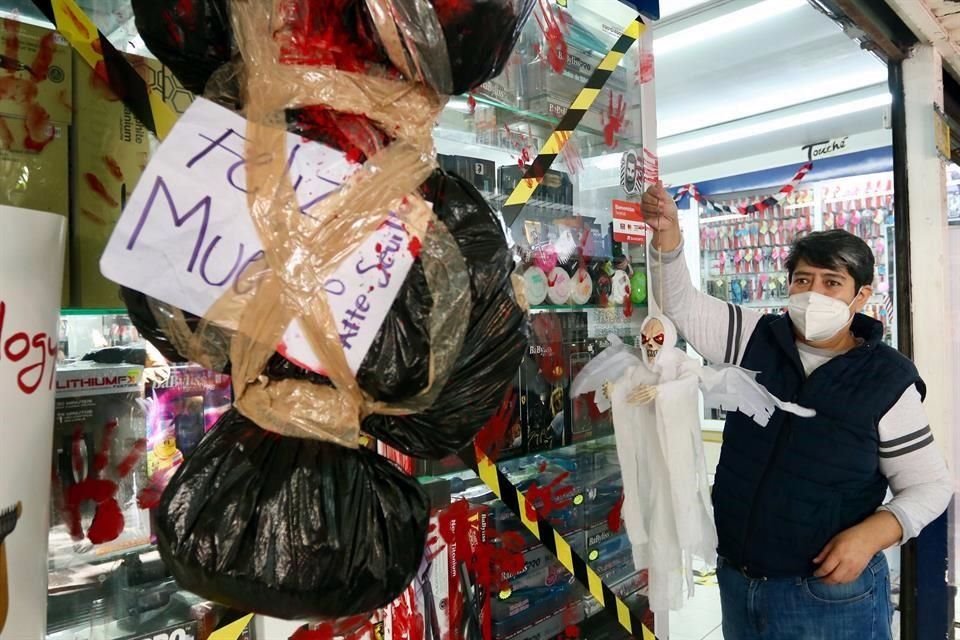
107,522
498,432
613,121
645,70
24,90
615,517
571,154
554,24
545,500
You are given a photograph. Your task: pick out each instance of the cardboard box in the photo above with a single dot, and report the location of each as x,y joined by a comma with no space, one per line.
39,74
110,149
36,179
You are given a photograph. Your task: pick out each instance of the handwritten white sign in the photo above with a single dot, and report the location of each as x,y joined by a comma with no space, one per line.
186,234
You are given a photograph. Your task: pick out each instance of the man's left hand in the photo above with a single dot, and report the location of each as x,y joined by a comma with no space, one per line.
848,553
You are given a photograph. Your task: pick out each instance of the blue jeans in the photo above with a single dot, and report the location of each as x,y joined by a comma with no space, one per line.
806,608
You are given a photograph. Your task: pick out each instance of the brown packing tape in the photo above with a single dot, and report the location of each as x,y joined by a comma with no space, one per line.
302,251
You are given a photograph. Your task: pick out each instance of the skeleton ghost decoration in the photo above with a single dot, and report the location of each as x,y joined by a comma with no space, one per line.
653,393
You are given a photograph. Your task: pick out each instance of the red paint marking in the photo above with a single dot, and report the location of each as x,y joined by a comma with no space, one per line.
97,47
407,620
545,500
39,131
471,104
97,187
114,167
571,154
613,120
11,47
554,24
80,26
614,518
17,89
41,64
108,521
627,305
570,620
415,247
6,136
174,31
448,10
491,438
645,71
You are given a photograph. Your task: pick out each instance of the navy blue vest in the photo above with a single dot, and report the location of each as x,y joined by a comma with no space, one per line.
781,492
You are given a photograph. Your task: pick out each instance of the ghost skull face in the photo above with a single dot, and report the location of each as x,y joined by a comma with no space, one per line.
652,338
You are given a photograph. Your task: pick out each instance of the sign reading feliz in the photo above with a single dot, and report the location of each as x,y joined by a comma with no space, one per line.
186,236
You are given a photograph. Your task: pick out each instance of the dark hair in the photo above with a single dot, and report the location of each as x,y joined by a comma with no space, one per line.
836,249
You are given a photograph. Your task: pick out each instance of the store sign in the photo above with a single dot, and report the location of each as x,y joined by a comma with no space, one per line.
628,224
186,236
826,148
31,273
185,631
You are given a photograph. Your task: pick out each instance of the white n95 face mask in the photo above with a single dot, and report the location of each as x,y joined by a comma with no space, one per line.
819,317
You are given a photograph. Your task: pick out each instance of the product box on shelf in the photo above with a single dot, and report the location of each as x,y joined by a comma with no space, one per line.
541,567
603,542
466,528
519,608
554,196
549,627
545,380
586,420
110,149
481,173
97,413
36,79
180,409
633,584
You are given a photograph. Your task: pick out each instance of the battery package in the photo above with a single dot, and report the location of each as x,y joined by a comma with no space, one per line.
99,442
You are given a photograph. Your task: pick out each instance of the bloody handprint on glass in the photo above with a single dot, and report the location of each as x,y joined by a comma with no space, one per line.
99,485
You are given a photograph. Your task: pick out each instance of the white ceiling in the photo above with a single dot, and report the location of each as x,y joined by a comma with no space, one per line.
760,69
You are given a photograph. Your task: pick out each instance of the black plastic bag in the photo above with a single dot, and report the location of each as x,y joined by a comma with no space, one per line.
290,527
397,364
477,53
192,39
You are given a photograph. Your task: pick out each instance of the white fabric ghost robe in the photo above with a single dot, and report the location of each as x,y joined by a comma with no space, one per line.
667,510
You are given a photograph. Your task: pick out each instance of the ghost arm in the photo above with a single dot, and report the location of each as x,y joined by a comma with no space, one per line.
609,366
736,389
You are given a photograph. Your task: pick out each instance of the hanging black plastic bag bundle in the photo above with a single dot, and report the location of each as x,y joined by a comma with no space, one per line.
300,528
397,365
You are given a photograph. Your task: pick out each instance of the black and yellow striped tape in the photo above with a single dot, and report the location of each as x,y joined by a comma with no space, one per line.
97,51
548,536
568,123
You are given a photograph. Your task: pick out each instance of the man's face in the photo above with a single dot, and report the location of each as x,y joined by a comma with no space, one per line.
835,283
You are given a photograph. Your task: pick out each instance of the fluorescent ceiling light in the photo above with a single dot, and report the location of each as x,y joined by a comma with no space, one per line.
733,21
769,126
674,7
728,110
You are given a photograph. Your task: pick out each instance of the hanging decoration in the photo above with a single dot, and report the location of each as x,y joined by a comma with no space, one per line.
756,207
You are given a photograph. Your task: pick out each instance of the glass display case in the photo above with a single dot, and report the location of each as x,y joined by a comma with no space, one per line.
123,423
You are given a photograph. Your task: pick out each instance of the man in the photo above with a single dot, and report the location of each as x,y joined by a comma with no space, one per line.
798,504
